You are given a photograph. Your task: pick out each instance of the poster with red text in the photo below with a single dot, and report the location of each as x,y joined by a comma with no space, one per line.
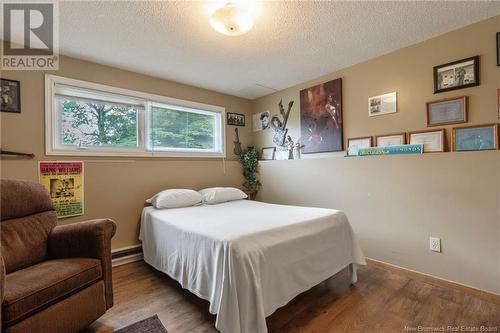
64,182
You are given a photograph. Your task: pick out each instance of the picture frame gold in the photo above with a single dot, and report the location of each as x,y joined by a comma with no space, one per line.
401,136
464,100
360,138
442,139
472,143
349,140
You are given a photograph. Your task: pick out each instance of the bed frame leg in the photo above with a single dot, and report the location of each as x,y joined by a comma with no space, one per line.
353,276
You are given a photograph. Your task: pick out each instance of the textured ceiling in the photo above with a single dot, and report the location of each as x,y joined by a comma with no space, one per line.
291,42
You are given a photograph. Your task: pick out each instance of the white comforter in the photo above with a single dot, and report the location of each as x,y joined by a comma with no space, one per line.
248,258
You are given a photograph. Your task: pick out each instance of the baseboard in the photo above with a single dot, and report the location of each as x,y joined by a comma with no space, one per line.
126,255
431,279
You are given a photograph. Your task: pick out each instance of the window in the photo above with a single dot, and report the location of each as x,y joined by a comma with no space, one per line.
177,129
85,118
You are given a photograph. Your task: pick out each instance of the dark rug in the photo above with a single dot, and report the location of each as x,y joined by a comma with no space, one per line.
148,325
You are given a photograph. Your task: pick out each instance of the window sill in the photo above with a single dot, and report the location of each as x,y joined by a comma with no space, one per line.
134,154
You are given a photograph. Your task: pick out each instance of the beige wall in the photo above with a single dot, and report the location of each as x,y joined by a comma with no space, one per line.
117,187
395,203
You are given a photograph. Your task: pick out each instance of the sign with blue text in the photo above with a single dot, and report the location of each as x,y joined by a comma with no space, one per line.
392,150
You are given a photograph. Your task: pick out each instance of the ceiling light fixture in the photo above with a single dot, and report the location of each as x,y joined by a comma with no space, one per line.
234,18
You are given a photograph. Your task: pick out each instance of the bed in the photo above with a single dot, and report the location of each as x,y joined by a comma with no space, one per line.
248,258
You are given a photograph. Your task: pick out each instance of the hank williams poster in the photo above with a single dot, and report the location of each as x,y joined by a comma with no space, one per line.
64,181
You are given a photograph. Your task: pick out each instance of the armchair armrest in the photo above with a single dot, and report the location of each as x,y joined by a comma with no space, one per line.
88,239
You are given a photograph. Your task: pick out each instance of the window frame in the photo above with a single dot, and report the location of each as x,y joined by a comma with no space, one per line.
143,149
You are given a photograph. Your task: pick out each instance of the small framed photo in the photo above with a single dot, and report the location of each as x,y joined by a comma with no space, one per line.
10,96
396,139
353,144
498,48
235,119
482,137
433,140
456,75
268,153
447,111
382,104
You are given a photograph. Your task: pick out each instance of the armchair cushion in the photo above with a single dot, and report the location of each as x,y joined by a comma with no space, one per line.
24,240
27,216
31,289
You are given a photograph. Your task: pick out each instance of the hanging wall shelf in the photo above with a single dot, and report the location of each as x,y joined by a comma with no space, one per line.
15,154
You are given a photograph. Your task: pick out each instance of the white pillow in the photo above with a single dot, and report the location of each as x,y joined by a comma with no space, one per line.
175,198
214,195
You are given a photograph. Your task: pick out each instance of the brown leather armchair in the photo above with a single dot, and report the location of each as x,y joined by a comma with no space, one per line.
52,278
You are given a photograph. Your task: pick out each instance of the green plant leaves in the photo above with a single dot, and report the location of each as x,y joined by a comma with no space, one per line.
249,159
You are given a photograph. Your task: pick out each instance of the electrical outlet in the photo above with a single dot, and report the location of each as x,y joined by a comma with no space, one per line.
435,244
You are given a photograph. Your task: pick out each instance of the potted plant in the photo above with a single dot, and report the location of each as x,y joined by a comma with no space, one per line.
249,159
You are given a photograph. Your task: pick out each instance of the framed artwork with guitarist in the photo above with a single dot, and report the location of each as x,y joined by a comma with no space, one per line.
321,118
278,124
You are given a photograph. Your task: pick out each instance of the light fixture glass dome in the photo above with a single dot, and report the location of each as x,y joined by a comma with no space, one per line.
232,20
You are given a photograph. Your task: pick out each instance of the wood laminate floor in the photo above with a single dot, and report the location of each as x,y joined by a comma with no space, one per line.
382,300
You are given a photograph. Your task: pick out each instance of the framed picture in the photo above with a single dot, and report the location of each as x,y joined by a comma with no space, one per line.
482,137
396,139
447,111
268,153
235,119
498,102
456,75
383,104
433,140
498,48
281,154
354,144
261,121
321,117
10,94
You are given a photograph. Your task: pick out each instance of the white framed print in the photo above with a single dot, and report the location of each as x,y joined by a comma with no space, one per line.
354,144
261,121
433,140
383,104
396,139
282,153
268,153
